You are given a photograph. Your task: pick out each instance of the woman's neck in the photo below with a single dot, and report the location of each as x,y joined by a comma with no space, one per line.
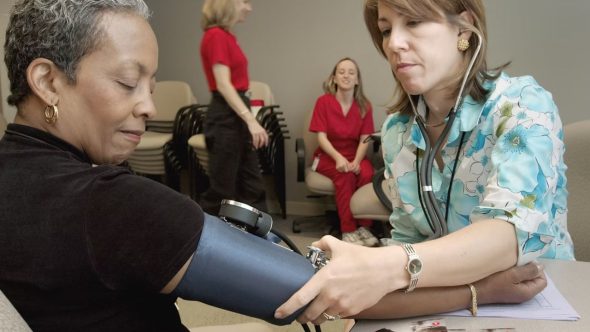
439,106
345,99
344,96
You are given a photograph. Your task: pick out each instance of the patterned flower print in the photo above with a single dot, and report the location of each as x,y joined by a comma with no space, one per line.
510,168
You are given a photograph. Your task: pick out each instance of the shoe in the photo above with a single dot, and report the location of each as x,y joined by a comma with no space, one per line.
367,237
352,237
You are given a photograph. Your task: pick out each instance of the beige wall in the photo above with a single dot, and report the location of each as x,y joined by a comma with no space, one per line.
292,45
6,112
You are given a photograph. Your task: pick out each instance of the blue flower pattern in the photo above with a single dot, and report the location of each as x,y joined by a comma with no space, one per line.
510,168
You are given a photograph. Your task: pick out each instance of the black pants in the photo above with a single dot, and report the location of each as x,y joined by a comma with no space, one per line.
234,171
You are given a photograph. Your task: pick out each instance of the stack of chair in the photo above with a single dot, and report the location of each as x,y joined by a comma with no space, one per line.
170,97
271,158
260,96
197,155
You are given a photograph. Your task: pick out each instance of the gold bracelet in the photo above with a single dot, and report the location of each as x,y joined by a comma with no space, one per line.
473,308
244,112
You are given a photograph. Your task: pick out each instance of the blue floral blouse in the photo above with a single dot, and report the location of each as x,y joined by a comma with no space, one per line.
510,168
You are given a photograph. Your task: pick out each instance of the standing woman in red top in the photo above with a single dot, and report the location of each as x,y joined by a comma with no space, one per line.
343,118
232,133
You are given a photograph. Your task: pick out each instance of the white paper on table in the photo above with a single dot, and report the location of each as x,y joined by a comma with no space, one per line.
549,304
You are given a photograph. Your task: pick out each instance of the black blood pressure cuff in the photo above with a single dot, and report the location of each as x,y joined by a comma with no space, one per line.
237,271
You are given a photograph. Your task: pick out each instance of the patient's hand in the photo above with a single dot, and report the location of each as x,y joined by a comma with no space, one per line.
515,285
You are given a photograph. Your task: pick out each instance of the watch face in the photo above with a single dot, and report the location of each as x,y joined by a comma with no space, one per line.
415,266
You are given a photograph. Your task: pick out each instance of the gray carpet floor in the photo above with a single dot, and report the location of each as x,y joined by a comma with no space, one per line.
195,314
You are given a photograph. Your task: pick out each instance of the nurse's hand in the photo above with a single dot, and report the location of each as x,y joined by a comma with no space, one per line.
259,135
355,279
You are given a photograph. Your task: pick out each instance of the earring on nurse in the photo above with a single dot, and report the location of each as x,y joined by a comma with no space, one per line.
462,44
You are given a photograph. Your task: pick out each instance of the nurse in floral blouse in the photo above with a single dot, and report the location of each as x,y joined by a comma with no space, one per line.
498,177
510,167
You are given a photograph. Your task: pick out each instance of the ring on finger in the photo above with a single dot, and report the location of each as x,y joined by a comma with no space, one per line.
330,317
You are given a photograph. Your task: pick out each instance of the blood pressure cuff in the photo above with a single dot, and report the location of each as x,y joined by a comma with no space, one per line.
237,271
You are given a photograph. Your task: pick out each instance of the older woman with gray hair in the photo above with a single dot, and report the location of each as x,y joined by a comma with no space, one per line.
79,250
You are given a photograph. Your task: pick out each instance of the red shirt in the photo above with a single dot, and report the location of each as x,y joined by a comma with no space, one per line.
220,46
343,132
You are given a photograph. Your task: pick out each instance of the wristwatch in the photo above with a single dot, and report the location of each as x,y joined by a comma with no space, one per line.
414,266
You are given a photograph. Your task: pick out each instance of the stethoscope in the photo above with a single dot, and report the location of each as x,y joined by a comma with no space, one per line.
430,205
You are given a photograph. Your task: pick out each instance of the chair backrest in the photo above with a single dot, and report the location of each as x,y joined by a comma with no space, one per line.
10,320
169,97
309,139
577,159
261,91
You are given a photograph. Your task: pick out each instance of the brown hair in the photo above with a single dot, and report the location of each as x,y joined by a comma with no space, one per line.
359,96
220,13
437,10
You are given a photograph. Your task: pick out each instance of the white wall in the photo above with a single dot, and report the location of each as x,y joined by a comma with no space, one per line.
292,45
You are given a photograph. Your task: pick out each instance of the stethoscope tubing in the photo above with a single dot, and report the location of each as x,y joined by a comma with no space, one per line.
432,211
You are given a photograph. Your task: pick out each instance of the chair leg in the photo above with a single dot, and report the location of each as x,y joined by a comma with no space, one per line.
382,228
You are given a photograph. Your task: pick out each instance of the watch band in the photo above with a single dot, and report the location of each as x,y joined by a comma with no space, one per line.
414,266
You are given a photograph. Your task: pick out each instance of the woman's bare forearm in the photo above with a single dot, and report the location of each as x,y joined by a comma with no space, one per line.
514,285
422,301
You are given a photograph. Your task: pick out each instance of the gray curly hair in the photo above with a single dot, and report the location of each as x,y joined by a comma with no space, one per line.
62,31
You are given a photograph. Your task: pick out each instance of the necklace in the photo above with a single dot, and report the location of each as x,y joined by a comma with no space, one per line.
436,124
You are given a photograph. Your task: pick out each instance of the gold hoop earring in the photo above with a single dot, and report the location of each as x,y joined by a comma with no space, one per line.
51,114
462,44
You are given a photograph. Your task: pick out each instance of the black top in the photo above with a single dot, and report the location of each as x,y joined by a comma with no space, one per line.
88,248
